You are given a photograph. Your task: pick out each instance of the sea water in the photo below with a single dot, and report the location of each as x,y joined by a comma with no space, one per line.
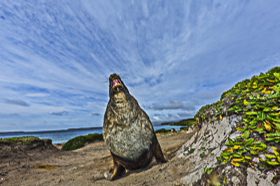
63,136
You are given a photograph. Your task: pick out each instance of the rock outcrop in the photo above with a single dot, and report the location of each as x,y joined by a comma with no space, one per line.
238,139
201,152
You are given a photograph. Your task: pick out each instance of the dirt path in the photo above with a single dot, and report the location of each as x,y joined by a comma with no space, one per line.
86,166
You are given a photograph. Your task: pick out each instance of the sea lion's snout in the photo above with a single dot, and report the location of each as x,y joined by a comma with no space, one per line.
117,85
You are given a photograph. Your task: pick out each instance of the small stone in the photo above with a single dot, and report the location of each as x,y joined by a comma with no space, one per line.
256,160
262,156
235,180
269,149
59,181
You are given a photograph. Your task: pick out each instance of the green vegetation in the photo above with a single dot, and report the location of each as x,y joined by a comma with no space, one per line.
257,103
185,122
256,100
163,131
22,140
213,111
184,128
207,170
189,122
80,141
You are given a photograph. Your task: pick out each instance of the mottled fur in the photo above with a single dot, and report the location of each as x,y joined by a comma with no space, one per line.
128,131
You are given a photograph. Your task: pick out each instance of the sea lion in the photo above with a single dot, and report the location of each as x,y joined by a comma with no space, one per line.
173,130
128,131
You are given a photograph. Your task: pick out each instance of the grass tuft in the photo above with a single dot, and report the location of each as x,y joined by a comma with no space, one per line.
23,139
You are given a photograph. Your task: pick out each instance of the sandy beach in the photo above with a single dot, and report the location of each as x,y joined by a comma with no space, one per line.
86,166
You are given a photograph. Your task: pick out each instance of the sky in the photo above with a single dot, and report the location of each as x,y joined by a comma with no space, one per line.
174,56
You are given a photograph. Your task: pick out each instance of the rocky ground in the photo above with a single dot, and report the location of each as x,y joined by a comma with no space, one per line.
45,164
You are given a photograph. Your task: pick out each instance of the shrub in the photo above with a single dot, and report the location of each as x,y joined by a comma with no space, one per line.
80,141
94,137
74,143
164,131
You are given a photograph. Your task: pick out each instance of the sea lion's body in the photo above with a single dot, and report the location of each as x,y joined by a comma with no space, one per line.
128,131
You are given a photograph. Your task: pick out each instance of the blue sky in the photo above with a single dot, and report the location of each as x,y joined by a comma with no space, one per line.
174,56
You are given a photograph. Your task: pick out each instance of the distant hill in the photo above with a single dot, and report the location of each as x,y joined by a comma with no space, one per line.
184,122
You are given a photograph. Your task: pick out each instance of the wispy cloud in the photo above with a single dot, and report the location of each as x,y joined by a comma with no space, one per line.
173,105
63,113
186,114
95,114
37,95
17,102
167,117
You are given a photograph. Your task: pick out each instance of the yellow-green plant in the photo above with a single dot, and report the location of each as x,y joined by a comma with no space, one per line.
257,101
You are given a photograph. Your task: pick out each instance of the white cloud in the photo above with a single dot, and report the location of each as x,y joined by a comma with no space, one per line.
172,105
62,113
163,118
37,95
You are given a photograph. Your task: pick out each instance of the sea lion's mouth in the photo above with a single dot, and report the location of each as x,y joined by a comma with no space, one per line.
117,85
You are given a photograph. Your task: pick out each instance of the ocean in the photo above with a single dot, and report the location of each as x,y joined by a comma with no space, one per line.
63,136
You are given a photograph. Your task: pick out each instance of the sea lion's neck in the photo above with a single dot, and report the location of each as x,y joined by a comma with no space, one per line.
121,103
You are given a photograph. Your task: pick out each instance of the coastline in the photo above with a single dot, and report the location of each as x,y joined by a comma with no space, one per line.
53,131
172,123
62,136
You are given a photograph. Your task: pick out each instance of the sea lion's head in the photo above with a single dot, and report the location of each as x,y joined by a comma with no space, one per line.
117,88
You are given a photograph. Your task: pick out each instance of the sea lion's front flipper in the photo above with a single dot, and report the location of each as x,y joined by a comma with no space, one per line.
118,171
158,154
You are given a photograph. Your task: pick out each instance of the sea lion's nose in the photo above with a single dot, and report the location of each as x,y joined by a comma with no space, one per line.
115,81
